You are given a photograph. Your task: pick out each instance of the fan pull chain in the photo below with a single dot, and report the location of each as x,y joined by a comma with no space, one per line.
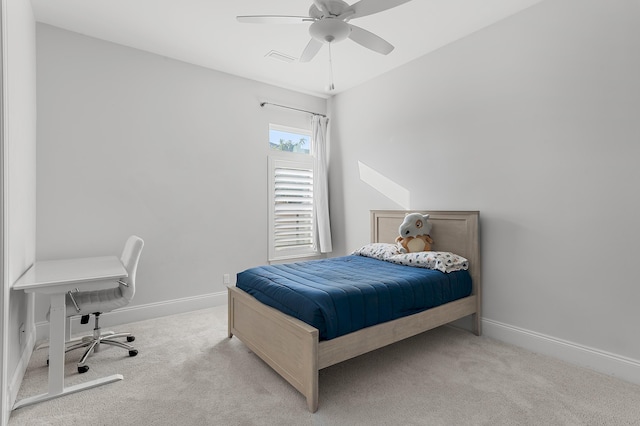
331,86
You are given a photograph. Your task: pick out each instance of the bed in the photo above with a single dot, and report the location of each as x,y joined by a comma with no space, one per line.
294,348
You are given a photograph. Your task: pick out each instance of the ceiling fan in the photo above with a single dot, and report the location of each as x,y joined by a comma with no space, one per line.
330,24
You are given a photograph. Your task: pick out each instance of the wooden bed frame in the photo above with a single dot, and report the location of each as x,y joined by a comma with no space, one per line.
291,347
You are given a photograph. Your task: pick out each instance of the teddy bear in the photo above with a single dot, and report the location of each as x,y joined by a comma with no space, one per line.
414,233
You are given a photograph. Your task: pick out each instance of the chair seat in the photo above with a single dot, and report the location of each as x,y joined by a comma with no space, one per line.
105,300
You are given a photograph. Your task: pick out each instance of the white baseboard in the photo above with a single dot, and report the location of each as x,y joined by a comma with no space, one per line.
136,313
604,362
21,368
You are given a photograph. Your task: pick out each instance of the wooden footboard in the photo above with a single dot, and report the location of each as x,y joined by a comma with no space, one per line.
287,344
292,349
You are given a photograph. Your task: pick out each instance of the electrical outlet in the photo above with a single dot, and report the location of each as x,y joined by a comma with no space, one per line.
226,279
21,333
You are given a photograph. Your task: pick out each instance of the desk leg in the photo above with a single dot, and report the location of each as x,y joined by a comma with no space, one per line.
57,326
57,318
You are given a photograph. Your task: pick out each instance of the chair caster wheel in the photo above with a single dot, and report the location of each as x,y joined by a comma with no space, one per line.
131,338
133,352
83,369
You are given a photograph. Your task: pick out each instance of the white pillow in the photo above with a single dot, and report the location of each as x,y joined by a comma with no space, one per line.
440,260
378,250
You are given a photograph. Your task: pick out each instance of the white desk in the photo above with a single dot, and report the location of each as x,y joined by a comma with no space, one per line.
56,278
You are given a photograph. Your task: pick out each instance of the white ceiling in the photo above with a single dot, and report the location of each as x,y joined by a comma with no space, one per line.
206,33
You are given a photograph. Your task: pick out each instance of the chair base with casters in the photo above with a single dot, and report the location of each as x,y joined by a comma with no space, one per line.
92,343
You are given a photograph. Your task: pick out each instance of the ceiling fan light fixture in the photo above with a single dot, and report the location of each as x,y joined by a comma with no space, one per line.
330,30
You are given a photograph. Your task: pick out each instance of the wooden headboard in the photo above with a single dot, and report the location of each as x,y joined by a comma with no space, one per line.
454,231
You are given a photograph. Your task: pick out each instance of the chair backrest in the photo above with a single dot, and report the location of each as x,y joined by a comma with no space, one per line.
130,257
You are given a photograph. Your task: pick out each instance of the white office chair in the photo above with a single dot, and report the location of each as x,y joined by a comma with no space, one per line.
97,302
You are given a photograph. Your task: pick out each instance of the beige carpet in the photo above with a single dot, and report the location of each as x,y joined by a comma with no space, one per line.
189,373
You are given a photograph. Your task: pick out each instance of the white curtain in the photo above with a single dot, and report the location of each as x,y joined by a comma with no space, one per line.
319,127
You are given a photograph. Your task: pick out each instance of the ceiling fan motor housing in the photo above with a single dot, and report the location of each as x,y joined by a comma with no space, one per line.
330,30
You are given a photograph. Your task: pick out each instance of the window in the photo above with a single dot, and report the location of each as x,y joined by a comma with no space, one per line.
288,139
292,230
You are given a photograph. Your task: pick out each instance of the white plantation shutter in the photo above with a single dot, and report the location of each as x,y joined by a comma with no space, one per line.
291,208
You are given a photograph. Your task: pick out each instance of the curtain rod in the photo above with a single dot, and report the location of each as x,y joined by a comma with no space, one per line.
262,104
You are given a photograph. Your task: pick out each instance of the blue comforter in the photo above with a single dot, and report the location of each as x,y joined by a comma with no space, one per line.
344,294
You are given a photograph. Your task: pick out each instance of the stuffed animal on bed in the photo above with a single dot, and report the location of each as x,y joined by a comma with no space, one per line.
414,233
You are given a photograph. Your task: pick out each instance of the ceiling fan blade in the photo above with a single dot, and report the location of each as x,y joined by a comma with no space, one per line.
370,40
273,19
312,49
320,5
369,7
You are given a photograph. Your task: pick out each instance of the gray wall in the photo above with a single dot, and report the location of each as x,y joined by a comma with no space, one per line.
20,139
534,121
132,142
